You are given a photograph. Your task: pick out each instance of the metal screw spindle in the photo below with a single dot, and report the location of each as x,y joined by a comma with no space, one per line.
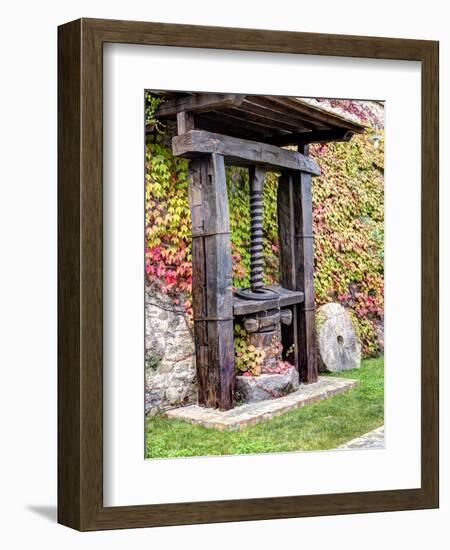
256,229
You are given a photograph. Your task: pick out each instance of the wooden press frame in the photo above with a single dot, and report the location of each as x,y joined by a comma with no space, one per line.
80,271
212,295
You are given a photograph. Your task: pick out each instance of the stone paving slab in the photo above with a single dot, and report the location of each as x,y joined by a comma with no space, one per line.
252,413
369,440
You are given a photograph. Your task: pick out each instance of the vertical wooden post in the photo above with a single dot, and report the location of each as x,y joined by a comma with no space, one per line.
212,282
288,274
305,273
185,122
297,268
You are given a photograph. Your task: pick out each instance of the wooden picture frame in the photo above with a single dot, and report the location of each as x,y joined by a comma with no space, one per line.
80,272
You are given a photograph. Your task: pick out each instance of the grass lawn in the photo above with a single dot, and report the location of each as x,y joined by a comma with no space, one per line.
319,426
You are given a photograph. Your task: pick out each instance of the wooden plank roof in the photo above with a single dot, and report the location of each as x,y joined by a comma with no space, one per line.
277,120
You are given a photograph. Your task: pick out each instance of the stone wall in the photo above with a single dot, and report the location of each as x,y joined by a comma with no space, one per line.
169,355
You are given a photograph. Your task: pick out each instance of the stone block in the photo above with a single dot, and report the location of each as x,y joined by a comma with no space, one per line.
266,386
170,374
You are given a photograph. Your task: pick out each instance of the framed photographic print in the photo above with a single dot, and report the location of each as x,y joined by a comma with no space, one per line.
248,274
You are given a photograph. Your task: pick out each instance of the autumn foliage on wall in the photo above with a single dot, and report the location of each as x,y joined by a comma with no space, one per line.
348,211
348,214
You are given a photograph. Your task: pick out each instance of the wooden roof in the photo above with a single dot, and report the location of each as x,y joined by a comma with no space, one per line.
277,120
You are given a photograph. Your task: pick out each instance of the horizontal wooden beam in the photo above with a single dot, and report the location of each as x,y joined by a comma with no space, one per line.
254,113
285,298
241,152
206,121
263,124
224,120
315,136
197,104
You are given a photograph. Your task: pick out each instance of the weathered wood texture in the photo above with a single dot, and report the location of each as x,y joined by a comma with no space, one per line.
255,323
262,340
269,119
185,122
197,103
315,136
286,297
80,297
319,118
212,282
241,151
297,270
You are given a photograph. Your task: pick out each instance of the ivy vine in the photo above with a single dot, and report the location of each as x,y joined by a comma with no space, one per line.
348,214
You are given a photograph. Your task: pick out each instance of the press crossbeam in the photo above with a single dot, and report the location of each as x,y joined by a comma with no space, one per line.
242,152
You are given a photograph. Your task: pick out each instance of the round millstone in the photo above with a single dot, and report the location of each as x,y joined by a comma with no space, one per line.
338,345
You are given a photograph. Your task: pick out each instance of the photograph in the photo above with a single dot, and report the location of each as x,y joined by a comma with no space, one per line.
264,274
225,275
